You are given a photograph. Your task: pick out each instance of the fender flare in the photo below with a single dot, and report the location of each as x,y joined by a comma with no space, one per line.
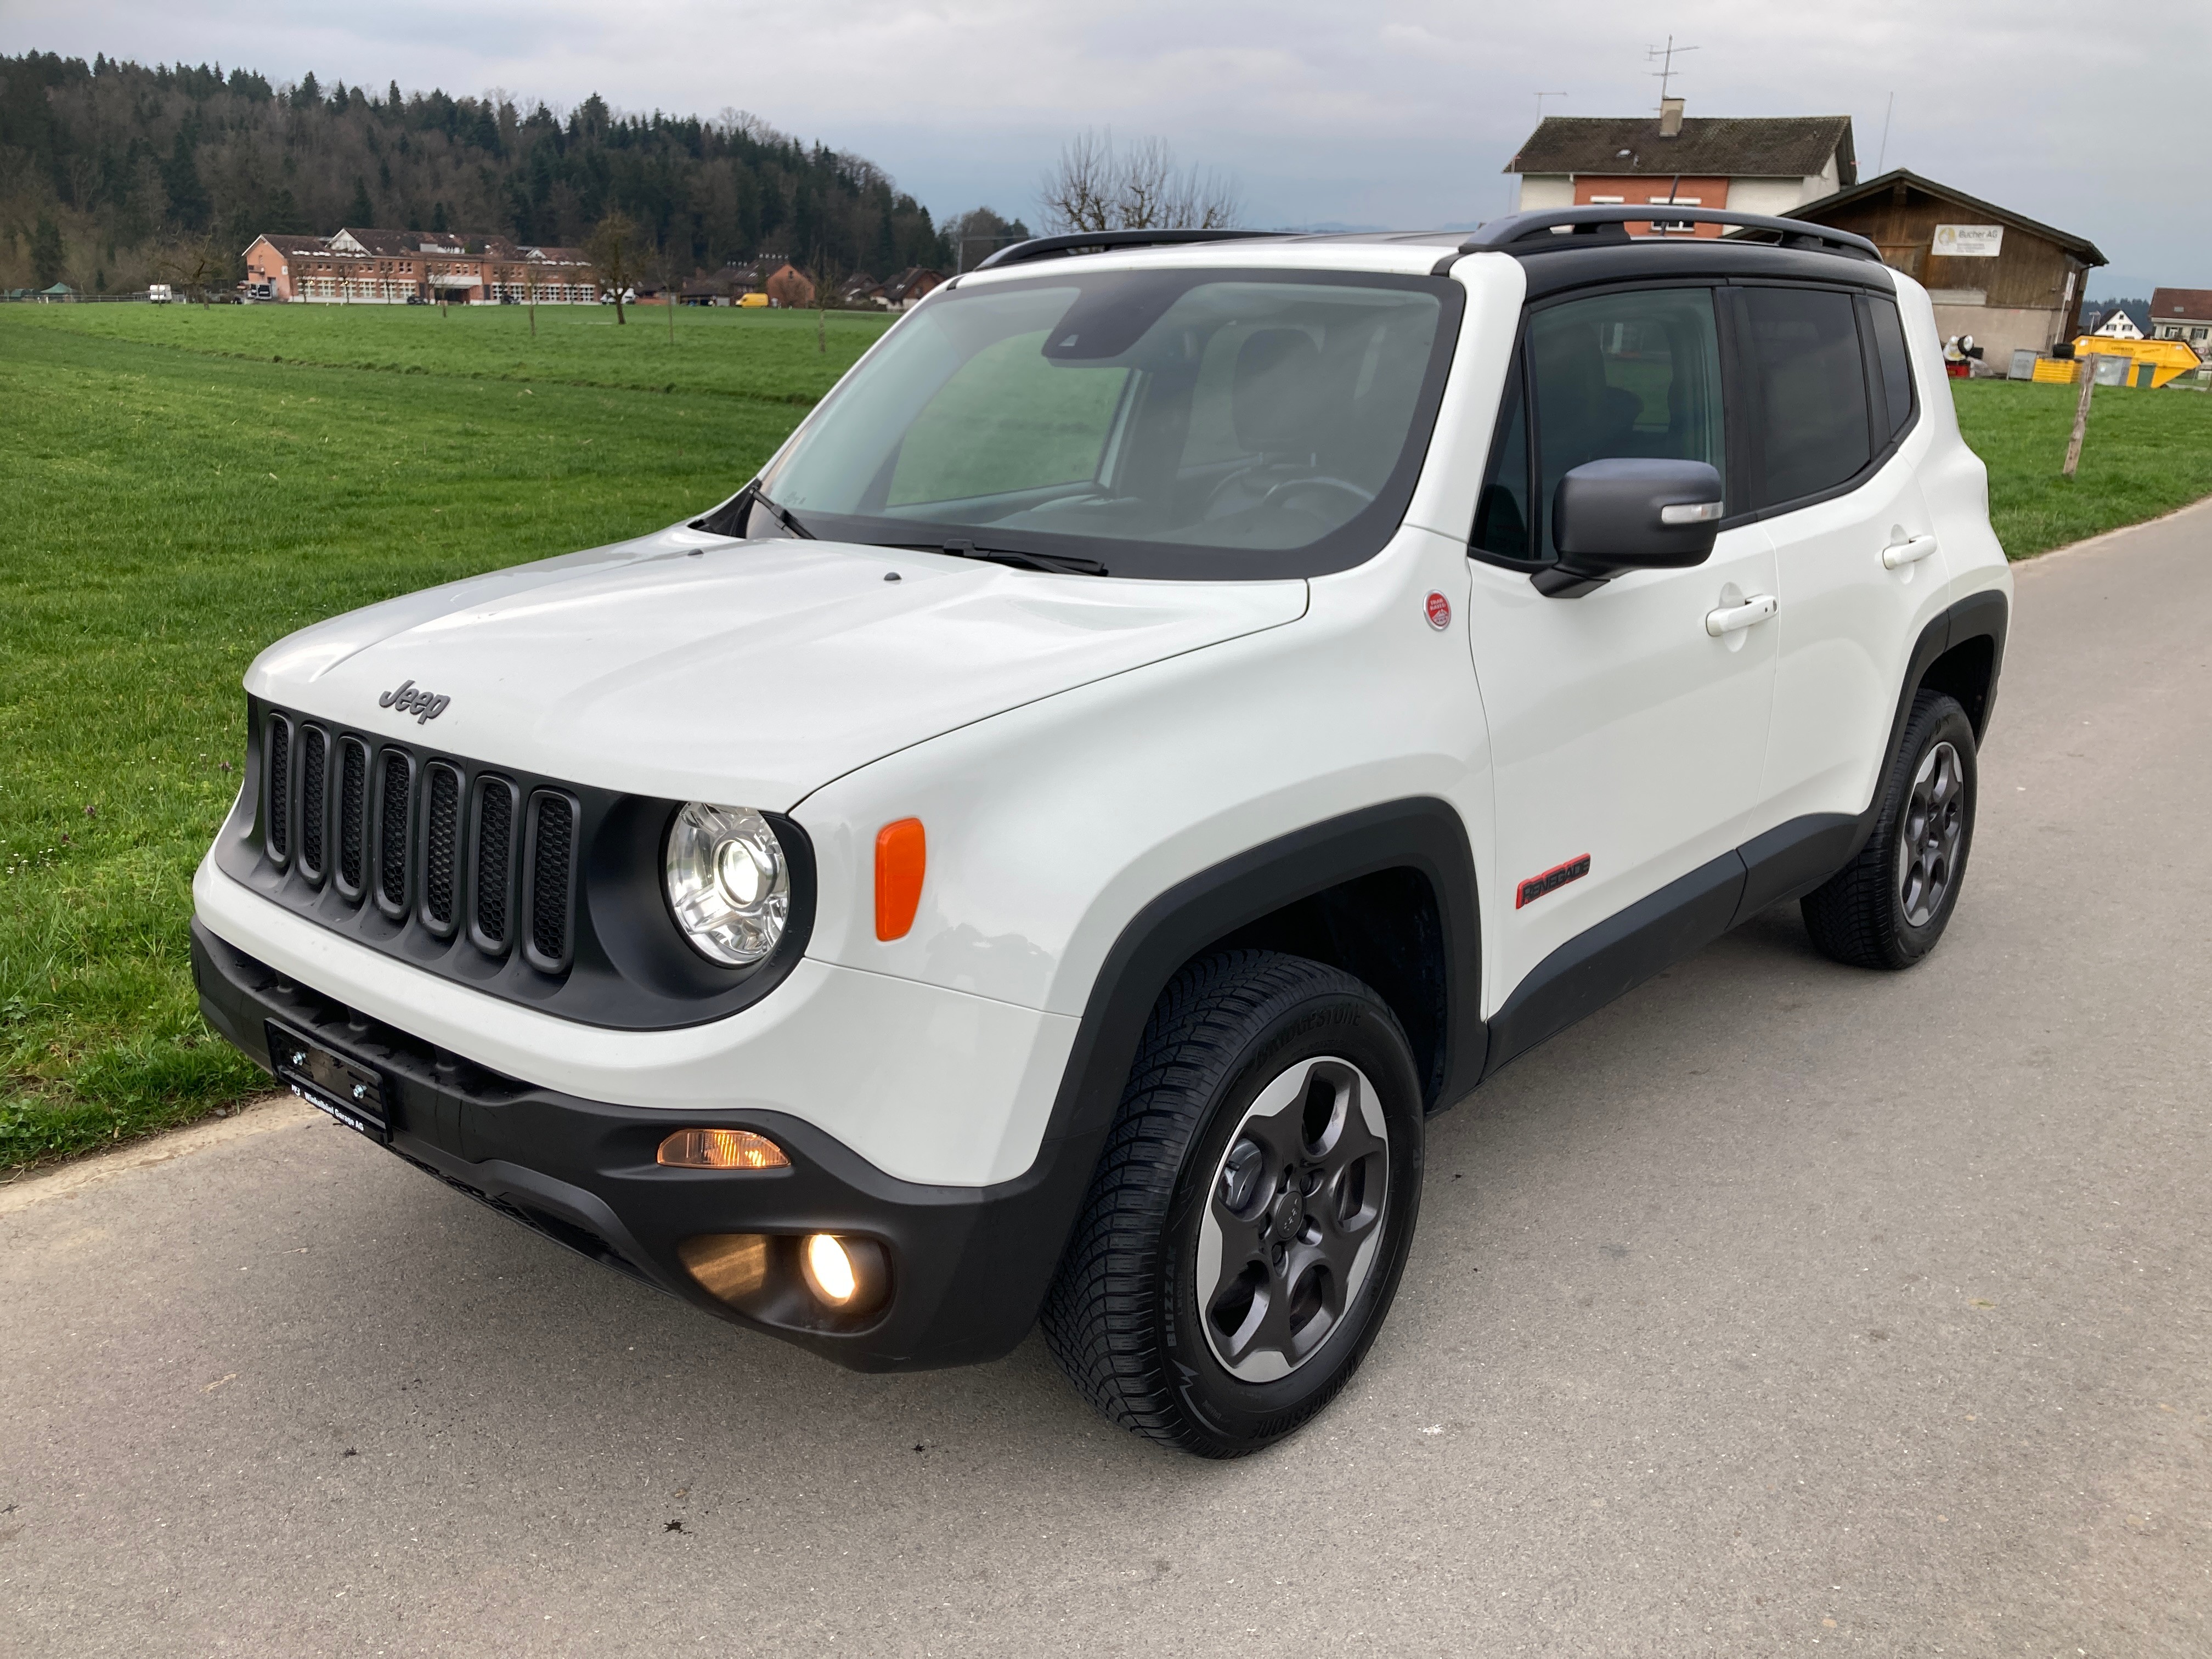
1421,833
1985,615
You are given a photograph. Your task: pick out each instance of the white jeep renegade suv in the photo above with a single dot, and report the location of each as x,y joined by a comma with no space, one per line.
1182,709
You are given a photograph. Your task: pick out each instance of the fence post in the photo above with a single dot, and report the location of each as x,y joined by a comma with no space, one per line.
2080,417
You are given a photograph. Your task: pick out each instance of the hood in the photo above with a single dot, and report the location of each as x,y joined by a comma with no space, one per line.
688,666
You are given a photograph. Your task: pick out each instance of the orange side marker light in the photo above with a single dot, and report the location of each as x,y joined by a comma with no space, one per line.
900,855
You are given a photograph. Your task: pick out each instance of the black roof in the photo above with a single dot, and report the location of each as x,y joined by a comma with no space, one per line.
2081,247
1712,146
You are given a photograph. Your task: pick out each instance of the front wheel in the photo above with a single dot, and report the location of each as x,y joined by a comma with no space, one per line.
1243,1235
1888,906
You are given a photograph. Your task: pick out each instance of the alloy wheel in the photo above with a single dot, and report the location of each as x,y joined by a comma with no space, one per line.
1929,835
1293,1219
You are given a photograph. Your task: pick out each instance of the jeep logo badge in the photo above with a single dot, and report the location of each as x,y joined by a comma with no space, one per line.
425,706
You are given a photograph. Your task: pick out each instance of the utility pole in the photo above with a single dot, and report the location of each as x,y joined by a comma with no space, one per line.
1664,56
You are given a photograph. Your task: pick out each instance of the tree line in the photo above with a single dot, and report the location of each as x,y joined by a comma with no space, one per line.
112,170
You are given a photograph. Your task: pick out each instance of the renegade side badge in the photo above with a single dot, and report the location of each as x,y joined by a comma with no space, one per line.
1439,610
1554,878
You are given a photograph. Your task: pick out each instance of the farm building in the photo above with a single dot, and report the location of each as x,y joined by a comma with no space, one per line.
908,289
389,267
1749,164
2183,313
2010,282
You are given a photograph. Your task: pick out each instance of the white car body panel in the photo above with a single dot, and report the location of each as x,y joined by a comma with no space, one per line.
698,668
1050,827
948,1089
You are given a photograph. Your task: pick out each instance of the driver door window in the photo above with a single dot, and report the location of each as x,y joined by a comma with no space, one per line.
1634,374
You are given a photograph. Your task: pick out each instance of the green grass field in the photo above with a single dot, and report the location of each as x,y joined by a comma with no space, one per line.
186,485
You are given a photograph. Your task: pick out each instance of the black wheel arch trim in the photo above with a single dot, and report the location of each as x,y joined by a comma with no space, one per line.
1420,833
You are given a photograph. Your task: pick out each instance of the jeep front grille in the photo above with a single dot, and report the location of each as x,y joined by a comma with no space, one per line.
279,836
394,817
426,838
353,813
314,764
550,872
441,834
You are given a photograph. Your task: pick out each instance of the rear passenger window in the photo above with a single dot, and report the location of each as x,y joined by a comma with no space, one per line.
1812,391
1896,367
1635,373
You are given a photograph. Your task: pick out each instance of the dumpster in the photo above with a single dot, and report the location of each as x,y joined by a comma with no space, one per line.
2146,362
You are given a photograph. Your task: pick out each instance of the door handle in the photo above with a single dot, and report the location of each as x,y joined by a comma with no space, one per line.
1897,554
1756,608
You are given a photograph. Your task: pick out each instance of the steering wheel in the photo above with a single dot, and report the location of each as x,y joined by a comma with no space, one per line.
1360,498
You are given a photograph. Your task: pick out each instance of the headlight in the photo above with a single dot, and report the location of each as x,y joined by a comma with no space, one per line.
729,883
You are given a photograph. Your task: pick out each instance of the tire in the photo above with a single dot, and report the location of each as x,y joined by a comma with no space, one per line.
1150,1315
1888,906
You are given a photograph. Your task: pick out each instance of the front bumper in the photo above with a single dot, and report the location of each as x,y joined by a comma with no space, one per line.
969,1266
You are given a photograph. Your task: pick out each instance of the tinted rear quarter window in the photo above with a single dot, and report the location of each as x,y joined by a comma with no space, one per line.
1813,430
1896,364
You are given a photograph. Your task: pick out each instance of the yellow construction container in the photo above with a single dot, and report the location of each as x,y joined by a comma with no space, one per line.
2058,370
2165,358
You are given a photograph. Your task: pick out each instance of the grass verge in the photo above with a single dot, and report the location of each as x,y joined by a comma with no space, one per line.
172,506
2147,454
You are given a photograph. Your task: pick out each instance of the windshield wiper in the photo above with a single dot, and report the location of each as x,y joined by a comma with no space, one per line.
783,517
1060,564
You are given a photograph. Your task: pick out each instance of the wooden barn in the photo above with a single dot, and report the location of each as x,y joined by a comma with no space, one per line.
1999,275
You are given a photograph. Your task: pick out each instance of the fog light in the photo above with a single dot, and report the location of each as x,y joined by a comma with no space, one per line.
720,1149
845,1273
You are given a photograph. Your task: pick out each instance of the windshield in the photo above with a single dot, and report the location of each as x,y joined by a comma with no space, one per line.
1157,423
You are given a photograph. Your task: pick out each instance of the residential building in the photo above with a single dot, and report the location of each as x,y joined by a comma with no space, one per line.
2009,281
860,289
1751,164
389,267
2117,326
908,289
2183,313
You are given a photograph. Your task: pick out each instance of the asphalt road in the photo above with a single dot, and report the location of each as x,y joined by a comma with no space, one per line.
1778,1309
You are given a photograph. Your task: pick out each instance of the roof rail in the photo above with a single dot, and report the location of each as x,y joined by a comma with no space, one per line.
1043,247
1547,230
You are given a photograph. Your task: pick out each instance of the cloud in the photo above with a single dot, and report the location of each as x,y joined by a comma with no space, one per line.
1397,112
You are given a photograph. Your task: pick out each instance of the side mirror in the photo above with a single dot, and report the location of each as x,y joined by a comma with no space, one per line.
1616,516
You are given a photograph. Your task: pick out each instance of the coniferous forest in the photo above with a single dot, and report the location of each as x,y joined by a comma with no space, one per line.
111,173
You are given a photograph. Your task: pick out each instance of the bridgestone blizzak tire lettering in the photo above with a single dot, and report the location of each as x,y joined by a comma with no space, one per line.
1858,917
1121,1318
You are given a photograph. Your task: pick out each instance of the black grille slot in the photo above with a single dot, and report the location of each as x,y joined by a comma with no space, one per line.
276,816
314,800
353,817
441,850
551,876
494,864
394,816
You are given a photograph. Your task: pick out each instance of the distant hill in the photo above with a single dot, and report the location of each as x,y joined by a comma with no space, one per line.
107,170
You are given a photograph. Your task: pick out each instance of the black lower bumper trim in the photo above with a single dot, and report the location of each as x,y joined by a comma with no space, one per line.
969,1266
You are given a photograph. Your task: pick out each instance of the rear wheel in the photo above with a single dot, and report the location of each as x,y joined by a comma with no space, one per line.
1888,906
1242,1238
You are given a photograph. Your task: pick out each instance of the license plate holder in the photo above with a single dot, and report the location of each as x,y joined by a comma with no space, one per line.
351,1091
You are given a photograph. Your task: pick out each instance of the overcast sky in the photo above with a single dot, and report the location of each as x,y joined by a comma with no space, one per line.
1394,113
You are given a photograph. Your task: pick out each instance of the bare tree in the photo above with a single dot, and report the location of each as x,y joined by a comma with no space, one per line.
1097,187
612,249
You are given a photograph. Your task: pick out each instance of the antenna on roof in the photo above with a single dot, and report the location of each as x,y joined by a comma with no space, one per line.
1541,97
1882,155
1665,57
